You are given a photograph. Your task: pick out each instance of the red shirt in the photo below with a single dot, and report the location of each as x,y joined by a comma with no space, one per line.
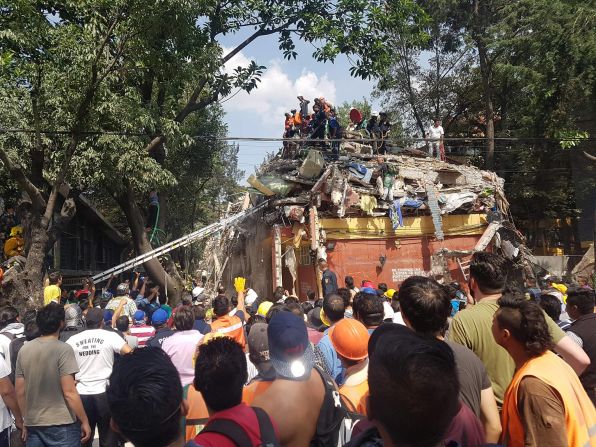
241,414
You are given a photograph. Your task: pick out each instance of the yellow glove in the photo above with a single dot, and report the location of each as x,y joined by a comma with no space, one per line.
239,284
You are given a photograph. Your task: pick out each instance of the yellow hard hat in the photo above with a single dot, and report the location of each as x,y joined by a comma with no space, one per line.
264,308
390,293
16,230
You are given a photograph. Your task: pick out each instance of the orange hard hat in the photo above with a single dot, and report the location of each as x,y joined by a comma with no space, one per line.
350,337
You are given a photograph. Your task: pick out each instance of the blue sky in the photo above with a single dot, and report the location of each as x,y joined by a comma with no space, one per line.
260,114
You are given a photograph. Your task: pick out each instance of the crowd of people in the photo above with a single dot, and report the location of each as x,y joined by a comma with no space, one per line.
424,364
322,123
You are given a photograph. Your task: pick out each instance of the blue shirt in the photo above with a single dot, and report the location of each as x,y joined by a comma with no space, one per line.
331,359
202,327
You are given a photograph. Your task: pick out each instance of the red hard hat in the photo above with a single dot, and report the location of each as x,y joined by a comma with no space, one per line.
350,337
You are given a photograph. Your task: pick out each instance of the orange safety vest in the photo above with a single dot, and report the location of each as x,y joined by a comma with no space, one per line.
254,389
580,415
230,326
355,397
197,416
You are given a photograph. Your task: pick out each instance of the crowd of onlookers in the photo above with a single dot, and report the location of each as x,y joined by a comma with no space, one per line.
424,364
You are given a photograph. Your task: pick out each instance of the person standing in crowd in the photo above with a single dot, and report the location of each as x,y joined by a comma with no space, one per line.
123,330
472,327
73,322
349,338
435,134
129,307
545,404
349,282
31,332
94,350
258,354
52,291
8,405
333,311
231,423
553,308
426,308
328,279
159,320
200,324
10,329
368,309
230,325
408,404
580,306
145,388
532,289
296,398
141,329
181,346
46,387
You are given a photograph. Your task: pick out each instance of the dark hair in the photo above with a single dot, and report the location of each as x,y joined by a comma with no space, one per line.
29,315
526,322
31,330
295,308
583,299
531,281
346,296
199,312
306,307
311,295
122,323
54,277
382,286
8,315
144,388
221,305
277,307
349,282
551,305
334,308
49,318
425,304
220,373
221,289
186,300
368,309
489,271
184,319
318,303
278,294
407,376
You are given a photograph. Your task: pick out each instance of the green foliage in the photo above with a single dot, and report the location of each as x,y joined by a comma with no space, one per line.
343,111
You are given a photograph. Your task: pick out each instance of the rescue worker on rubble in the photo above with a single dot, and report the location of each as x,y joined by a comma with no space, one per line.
15,245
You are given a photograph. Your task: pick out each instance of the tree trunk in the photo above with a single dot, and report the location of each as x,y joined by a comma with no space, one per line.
141,245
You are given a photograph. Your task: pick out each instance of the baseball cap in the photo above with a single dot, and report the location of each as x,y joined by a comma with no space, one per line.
258,344
139,316
264,308
369,290
368,284
291,353
73,315
95,315
107,316
350,338
159,317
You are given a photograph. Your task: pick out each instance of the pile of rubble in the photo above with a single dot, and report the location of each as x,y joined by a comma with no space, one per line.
361,185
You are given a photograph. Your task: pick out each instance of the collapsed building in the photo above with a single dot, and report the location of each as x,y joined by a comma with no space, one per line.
379,218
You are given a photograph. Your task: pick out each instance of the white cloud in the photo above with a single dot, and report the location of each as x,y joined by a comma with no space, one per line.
277,91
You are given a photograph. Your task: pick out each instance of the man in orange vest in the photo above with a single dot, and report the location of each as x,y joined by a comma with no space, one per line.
226,324
545,404
350,337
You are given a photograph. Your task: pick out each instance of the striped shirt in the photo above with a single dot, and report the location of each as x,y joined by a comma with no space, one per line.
143,332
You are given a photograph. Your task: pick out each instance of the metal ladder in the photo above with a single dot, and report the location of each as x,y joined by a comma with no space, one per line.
181,242
464,267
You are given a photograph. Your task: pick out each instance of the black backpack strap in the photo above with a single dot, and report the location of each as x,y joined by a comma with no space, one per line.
268,438
230,430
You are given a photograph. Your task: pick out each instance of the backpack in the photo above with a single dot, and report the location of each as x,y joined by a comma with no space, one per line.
233,431
336,422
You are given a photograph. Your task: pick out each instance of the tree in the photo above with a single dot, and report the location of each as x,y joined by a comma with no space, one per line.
93,67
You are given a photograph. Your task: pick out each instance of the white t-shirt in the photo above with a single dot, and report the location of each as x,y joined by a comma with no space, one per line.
435,133
5,417
94,350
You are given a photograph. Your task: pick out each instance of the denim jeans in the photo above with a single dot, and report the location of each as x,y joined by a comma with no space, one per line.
58,435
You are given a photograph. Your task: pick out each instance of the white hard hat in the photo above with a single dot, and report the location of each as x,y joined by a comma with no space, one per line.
374,113
197,291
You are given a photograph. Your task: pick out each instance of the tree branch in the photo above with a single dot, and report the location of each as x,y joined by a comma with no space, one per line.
589,156
17,173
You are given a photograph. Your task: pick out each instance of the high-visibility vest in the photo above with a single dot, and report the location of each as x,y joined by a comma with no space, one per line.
580,415
197,416
230,326
355,396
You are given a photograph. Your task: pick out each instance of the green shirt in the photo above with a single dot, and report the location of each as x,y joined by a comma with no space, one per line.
472,327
